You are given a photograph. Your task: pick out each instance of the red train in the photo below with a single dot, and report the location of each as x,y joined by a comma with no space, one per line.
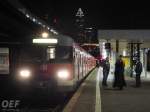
58,66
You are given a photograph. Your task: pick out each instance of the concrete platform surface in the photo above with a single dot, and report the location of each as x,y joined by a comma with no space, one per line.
84,100
130,99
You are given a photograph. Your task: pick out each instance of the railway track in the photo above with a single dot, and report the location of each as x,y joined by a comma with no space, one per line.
57,108
47,107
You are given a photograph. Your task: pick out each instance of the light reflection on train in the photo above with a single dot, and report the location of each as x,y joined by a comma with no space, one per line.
58,66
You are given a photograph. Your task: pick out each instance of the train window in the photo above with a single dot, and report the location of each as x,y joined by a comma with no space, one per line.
31,54
4,60
59,53
50,53
63,52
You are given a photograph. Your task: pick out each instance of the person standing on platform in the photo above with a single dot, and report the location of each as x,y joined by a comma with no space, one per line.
119,80
106,68
138,71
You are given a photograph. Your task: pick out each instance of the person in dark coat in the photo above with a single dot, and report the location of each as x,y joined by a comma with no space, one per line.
119,80
138,71
106,68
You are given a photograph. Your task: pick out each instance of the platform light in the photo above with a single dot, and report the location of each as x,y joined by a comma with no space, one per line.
39,23
124,53
34,20
45,35
45,41
27,15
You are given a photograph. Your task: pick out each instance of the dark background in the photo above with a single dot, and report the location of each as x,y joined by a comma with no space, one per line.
103,14
60,14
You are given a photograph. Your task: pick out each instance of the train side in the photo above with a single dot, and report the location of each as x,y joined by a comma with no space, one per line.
82,63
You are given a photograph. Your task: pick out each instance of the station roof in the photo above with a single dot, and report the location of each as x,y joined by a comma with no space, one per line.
129,35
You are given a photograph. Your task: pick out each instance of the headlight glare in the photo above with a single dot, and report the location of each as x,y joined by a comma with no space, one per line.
25,73
63,74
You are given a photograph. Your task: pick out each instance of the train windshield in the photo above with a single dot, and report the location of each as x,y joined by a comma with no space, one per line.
32,54
44,53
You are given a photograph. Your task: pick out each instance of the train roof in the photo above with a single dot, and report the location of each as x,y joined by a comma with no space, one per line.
64,40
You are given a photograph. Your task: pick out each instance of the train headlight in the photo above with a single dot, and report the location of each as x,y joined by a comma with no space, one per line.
63,74
25,73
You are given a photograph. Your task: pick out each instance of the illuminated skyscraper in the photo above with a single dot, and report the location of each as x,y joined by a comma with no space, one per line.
80,26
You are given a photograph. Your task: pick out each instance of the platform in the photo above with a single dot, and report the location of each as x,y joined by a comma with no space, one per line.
84,100
130,99
92,97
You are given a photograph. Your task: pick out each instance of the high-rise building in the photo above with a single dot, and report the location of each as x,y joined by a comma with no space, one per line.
80,26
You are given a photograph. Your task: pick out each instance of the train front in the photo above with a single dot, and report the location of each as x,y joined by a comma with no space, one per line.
45,67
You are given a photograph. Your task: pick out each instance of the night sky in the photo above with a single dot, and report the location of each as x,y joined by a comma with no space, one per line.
101,14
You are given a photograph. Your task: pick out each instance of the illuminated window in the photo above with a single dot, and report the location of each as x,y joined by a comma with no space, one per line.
4,61
50,53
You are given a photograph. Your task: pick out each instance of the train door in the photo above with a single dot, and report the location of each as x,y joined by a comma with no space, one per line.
81,73
79,64
75,63
84,65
